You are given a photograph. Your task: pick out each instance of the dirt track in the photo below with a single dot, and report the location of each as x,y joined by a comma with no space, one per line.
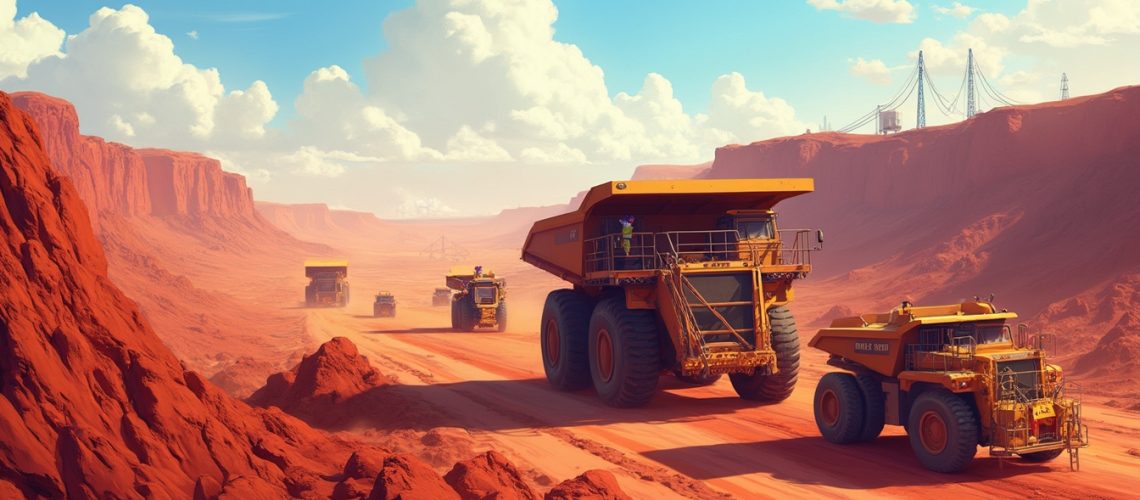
689,442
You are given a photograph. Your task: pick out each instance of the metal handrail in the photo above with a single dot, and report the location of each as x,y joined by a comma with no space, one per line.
658,250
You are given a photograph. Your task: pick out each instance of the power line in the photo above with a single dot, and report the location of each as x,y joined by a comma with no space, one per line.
978,90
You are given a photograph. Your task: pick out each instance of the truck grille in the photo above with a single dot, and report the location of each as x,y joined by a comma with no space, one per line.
1020,380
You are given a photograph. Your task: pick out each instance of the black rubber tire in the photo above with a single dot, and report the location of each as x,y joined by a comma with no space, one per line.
635,353
1041,456
848,424
874,406
501,316
468,313
569,311
699,380
773,388
961,431
454,315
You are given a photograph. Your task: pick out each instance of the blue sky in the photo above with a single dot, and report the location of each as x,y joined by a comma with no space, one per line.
786,49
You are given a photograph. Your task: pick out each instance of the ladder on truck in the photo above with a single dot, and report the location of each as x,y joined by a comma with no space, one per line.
696,344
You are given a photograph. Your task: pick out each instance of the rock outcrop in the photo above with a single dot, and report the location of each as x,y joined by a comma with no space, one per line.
596,484
489,476
405,477
155,211
319,389
93,403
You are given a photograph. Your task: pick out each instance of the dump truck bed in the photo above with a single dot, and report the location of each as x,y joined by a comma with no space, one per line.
555,244
460,276
313,267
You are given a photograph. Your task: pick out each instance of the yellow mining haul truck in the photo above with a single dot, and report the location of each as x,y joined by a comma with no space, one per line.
384,306
689,277
955,377
441,297
328,283
480,300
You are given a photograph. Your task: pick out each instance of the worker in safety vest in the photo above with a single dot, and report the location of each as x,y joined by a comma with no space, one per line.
627,233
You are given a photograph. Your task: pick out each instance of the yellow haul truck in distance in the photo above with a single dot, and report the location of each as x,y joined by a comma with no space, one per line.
689,277
480,300
441,297
955,377
328,283
384,305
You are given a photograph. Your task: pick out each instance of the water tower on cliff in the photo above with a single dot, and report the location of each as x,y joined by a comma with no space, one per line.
888,122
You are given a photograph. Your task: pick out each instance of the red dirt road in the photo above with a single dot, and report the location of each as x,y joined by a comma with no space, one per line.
689,442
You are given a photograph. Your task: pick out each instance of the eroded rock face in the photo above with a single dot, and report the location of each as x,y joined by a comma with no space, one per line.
117,179
182,183
93,403
594,484
323,380
406,478
489,476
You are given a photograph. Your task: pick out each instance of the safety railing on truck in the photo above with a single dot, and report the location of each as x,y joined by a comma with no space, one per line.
649,251
933,353
1037,417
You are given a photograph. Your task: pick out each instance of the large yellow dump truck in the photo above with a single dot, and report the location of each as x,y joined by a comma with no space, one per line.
955,377
328,283
690,277
480,300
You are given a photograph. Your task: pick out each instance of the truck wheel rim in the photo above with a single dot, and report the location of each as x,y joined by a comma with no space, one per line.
552,342
605,355
829,407
932,432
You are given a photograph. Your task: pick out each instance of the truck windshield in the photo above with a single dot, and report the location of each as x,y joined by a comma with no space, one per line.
760,229
983,333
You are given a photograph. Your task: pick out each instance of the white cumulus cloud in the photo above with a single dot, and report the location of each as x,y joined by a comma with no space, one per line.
875,71
418,206
25,40
128,84
957,9
879,11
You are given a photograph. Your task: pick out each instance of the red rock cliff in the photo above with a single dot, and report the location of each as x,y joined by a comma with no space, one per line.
92,402
108,176
191,184
1034,203
120,180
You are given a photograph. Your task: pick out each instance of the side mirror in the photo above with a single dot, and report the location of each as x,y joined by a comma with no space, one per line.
819,237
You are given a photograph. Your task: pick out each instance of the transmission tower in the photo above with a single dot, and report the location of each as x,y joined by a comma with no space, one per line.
442,249
921,121
971,98
1064,86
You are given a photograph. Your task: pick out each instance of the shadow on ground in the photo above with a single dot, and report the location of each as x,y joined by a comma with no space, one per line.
886,461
